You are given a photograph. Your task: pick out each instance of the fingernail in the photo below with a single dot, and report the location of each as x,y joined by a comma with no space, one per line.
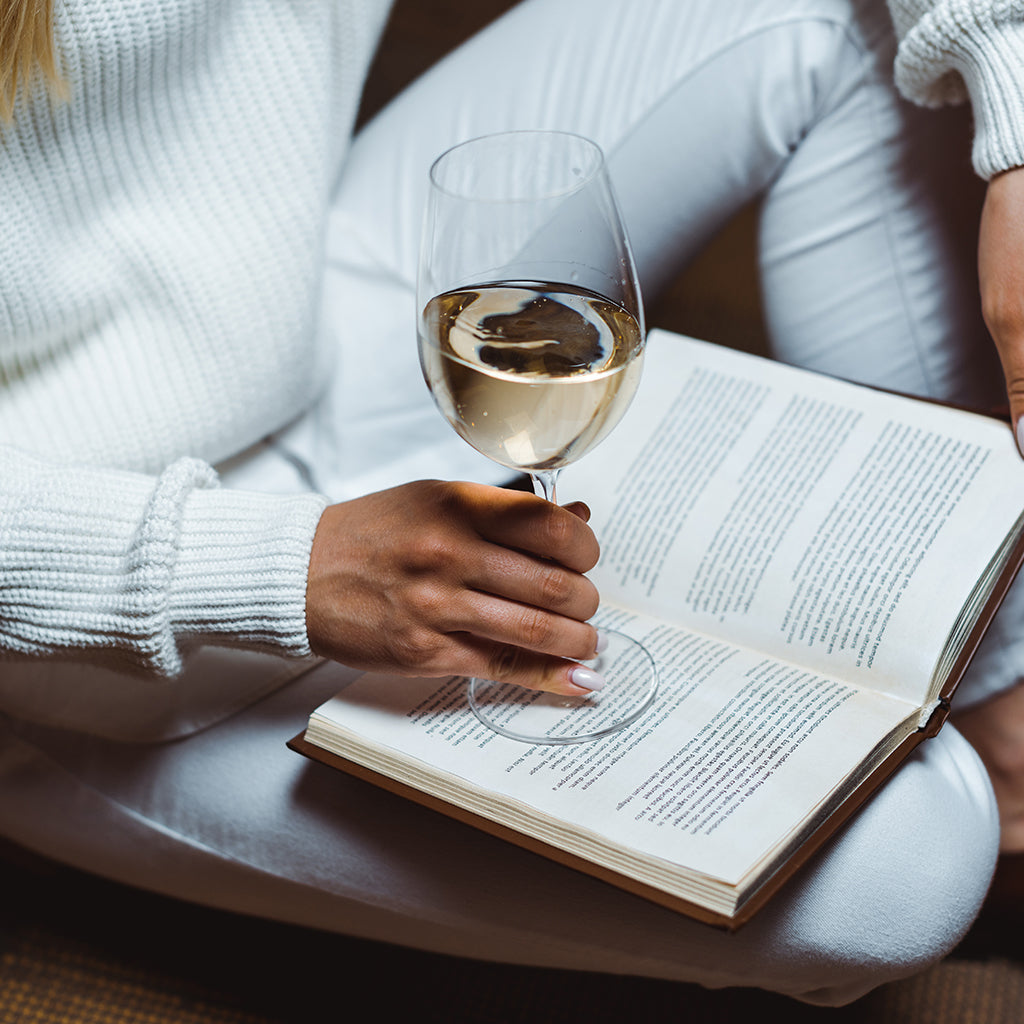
586,678
602,641
1020,435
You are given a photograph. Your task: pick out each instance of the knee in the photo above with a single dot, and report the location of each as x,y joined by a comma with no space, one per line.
816,59
897,890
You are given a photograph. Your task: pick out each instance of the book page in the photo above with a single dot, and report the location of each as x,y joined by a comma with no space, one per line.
832,525
736,751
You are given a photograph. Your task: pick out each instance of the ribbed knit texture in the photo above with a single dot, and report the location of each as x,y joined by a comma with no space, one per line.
160,232
954,49
159,259
126,569
160,244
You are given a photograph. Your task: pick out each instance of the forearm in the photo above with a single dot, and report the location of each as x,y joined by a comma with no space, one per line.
128,569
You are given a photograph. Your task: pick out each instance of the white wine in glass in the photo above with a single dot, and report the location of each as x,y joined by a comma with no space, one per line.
531,340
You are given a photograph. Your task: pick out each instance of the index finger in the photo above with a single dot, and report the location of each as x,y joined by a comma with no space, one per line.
528,523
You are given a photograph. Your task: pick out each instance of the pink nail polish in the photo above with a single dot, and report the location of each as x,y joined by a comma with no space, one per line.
586,678
602,641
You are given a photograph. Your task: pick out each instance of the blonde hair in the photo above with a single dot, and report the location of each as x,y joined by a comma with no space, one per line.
26,48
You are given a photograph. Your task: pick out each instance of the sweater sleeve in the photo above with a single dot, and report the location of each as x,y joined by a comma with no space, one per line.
129,570
953,50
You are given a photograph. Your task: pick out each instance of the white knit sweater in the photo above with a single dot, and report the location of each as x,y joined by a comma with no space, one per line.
159,238
160,235
952,50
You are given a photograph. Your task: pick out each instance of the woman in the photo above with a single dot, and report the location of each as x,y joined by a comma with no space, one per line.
192,243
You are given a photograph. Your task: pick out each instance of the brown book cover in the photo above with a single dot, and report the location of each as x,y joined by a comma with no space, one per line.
798,851
868,786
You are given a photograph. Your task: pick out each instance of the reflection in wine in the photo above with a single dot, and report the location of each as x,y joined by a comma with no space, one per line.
532,375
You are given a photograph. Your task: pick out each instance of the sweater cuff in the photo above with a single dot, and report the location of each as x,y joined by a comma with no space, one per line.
946,60
240,576
994,74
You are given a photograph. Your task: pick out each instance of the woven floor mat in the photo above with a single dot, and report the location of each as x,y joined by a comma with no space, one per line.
49,976
45,979
955,992
74,948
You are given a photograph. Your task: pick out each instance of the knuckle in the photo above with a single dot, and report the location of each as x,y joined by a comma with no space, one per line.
555,587
569,538
1004,316
432,550
417,647
429,603
535,629
1015,392
560,526
445,493
586,646
507,663
998,307
452,497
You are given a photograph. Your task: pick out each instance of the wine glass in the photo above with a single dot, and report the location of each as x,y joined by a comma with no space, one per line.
531,340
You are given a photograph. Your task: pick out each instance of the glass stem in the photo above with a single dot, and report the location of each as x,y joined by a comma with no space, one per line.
544,481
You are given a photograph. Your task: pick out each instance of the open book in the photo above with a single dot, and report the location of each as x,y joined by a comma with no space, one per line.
811,563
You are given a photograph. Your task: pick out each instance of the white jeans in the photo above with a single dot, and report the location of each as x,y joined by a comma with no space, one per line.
701,105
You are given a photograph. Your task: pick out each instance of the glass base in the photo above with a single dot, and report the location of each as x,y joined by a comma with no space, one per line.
535,716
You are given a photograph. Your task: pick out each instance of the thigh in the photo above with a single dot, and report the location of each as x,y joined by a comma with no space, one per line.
868,243
698,105
868,232
232,818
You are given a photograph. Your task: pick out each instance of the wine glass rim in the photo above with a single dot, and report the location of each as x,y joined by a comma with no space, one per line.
593,171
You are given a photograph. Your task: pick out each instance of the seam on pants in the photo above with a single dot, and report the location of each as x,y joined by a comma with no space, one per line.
865,55
740,40
384,266
899,272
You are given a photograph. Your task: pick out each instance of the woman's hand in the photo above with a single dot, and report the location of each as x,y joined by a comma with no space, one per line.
437,578
1001,277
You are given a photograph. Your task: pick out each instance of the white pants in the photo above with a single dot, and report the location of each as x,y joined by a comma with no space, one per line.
701,105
